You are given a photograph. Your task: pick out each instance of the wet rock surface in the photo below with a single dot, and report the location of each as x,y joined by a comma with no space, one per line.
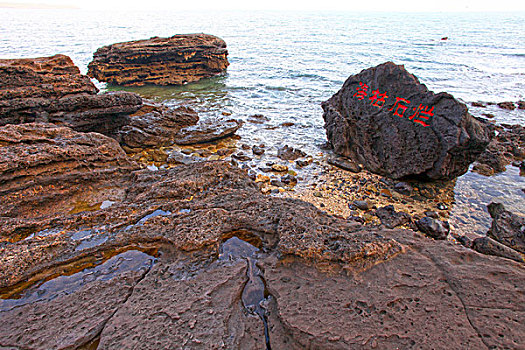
385,119
155,125
51,89
489,246
290,153
175,60
507,228
201,259
508,146
207,131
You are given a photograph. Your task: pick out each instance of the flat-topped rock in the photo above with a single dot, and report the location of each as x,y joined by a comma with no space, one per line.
52,90
385,119
176,60
156,125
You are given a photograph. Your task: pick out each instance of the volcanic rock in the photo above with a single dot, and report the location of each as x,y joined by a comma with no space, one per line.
207,131
155,125
507,228
176,60
387,120
489,246
507,105
433,228
43,163
392,218
344,163
51,89
508,146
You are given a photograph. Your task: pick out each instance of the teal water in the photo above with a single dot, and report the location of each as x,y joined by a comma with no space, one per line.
284,64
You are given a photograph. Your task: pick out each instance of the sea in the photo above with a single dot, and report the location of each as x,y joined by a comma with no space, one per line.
284,64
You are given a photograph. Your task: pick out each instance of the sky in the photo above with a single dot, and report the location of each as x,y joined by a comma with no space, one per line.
286,5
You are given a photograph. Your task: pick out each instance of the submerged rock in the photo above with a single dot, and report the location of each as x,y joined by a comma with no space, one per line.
175,60
507,228
52,90
290,153
385,119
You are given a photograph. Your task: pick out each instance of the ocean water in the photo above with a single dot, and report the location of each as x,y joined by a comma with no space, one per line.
284,64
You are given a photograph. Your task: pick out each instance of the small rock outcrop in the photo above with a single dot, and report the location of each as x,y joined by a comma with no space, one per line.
156,125
176,60
52,90
506,147
385,119
507,228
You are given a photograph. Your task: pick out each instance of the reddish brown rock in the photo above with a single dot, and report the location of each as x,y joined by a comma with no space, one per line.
46,167
52,90
385,119
176,60
154,268
156,125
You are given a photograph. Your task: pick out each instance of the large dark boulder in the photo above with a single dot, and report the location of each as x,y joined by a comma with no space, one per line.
387,120
176,60
52,90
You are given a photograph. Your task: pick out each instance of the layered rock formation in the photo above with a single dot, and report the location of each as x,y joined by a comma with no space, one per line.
196,257
387,120
51,89
156,125
176,60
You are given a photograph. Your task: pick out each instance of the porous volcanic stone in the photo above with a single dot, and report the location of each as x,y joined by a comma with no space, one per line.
378,119
176,60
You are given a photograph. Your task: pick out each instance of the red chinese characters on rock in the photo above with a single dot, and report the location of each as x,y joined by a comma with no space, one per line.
400,107
378,99
362,91
422,114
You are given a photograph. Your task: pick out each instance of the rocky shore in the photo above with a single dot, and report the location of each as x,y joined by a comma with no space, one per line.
151,234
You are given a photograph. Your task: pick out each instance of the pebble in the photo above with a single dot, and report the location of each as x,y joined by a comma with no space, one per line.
279,168
257,150
442,206
363,205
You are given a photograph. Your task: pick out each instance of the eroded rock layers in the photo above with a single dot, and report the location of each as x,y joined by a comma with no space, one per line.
138,258
176,60
52,90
